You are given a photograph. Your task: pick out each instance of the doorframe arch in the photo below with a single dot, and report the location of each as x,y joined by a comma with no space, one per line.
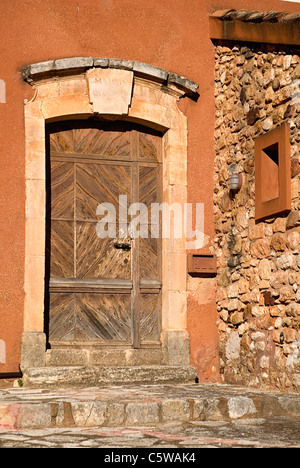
85,88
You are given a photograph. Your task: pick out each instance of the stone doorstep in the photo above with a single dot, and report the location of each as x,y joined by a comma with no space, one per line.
90,376
140,406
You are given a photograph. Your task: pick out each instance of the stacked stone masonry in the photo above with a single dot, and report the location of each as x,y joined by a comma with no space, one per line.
258,283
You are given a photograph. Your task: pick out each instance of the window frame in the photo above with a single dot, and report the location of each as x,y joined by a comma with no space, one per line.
283,203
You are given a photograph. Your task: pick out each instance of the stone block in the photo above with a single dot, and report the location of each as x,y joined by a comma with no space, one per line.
286,294
150,70
142,413
109,357
293,241
264,269
73,62
110,90
233,291
34,280
34,415
285,261
42,67
293,220
139,357
237,318
89,376
296,380
8,415
37,68
278,242
279,225
198,409
34,308
175,410
233,346
121,64
101,62
87,414
115,415
293,310
33,350
67,105
189,86
66,357
35,244
290,405
213,409
34,129
260,248
240,407
177,347
74,86
295,167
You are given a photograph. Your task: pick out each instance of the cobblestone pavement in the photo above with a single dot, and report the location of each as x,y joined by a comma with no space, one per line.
255,433
150,417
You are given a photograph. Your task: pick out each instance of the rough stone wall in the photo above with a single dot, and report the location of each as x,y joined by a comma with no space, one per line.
258,281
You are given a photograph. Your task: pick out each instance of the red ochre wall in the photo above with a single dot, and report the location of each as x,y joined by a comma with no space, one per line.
170,34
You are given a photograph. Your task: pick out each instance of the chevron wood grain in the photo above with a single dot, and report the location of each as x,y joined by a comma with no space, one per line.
91,164
100,183
62,190
90,317
98,258
105,317
149,147
150,318
62,317
106,144
62,249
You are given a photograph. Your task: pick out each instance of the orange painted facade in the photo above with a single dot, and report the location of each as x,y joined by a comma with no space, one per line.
169,34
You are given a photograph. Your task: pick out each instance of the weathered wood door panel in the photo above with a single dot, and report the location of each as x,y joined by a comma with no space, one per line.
102,290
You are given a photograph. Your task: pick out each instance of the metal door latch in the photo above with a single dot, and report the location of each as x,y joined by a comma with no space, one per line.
122,246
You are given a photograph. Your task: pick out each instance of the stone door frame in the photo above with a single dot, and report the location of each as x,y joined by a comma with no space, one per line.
81,88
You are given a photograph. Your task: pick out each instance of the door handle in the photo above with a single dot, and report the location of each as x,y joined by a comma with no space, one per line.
122,246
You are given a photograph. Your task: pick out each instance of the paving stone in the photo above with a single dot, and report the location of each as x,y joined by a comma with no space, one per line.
276,433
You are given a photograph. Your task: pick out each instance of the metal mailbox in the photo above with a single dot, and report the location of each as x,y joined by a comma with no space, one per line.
202,264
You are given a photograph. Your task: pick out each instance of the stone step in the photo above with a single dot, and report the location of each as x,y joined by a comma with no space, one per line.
140,405
88,376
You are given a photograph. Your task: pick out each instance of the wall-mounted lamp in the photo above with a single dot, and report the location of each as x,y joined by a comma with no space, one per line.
235,182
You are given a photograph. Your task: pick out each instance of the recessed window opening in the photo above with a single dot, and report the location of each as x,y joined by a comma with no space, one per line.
270,189
273,173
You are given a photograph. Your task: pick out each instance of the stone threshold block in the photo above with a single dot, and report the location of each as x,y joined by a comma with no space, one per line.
87,376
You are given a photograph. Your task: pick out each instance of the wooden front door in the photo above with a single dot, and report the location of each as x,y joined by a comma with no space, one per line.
101,291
